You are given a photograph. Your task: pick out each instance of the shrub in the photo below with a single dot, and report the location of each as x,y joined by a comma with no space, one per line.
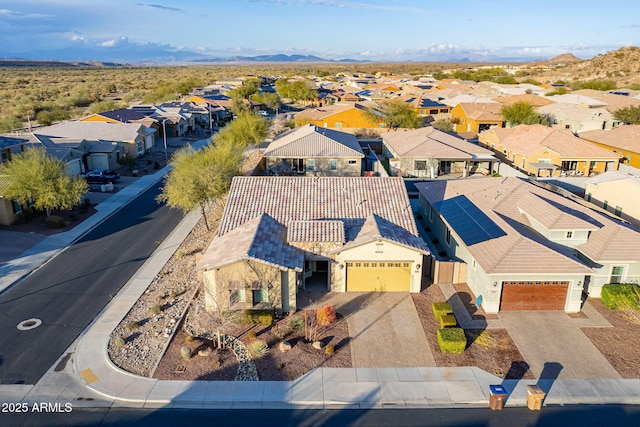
265,319
215,362
616,296
440,309
258,348
172,294
118,342
448,320
296,323
280,366
452,340
54,221
253,317
188,339
133,325
326,315
156,309
252,335
185,352
329,349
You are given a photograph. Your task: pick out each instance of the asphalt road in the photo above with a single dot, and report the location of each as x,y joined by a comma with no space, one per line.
71,289
561,416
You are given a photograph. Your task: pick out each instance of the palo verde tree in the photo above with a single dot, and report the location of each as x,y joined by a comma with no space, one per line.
34,176
248,129
521,113
199,177
395,114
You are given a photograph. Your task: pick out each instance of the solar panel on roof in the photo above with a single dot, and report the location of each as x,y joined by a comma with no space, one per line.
469,222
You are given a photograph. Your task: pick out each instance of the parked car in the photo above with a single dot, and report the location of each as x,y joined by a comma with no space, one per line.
263,113
101,176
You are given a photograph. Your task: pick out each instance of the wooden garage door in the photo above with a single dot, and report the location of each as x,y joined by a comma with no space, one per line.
534,295
378,276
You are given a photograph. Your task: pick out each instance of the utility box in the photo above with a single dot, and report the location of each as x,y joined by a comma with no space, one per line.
535,396
497,397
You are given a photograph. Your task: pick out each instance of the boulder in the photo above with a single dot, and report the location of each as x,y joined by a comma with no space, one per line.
284,346
317,345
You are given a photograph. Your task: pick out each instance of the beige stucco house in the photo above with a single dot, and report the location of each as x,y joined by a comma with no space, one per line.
314,151
616,192
282,234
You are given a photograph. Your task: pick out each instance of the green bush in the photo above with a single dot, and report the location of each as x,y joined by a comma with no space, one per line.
185,352
452,340
329,350
255,317
448,320
258,348
156,309
119,342
440,309
616,296
252,335
296,323
133,325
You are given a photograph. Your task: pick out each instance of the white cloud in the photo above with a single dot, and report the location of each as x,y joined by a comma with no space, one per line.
14,14
117,42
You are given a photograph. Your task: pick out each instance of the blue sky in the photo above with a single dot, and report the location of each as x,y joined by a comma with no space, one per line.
377,30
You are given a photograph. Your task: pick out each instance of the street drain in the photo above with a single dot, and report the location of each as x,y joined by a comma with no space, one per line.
29,324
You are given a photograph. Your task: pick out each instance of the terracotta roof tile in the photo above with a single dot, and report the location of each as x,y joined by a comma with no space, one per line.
313,142
316,231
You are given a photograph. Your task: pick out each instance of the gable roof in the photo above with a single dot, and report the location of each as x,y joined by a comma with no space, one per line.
529,139
316,231
529,98
501,199
124,115
312,141
347,199
430,142
125,132
612,176
377,228
482,111
331,110
626,137
260,239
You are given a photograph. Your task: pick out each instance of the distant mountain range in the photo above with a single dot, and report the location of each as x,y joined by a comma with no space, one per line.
275,58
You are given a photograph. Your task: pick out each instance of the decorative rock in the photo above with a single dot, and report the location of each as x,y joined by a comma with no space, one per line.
205,353
284,346
317,345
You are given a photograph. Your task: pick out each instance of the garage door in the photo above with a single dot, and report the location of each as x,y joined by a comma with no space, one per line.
100,161
534,295
378,276
74,167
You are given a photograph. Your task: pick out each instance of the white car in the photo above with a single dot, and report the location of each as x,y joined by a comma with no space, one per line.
263,113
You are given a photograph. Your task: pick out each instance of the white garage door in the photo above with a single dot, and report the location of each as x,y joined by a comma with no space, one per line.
100,161
74,167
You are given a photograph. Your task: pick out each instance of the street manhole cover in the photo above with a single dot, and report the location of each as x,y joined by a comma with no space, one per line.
25,325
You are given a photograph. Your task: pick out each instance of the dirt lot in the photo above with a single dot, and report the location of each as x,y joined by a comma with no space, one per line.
618,344
492,350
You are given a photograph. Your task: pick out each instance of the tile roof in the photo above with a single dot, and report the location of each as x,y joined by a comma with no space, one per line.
554,216
430,142
611,176
261,239
513,251
570,98
483,110
316,231
529,98
310,141
529,139
377,228
347,199
626,137
330,110
124,115
124,132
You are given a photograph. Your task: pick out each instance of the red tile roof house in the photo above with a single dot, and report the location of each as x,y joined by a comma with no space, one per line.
314,151
281,234
526,248
429,152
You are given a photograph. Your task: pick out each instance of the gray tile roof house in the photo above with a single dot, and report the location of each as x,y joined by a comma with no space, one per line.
407,148
528,234
309,150
297,223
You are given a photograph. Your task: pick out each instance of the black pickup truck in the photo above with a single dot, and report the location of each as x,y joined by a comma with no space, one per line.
101,176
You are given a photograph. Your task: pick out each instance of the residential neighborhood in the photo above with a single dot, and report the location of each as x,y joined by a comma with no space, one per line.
345,223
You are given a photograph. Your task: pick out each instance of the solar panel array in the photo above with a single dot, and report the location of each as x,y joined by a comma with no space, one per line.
470,223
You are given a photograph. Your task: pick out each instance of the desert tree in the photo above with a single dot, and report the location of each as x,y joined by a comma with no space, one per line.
200,177
36,177
628,115
521,113
394,114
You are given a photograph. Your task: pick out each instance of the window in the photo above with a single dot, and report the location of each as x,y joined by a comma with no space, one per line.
237,296
420,165
338,125
592,164
588,197
431,214
311,164
353,162
605,205
569,234
333,164
423,112
433,112
447,236
618,211
617,273
405,265
374,264
524,162
260,295
17,207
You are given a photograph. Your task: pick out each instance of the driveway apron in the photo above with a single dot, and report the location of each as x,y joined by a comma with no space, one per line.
545,337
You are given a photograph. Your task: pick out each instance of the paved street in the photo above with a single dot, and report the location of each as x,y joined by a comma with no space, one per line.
68,292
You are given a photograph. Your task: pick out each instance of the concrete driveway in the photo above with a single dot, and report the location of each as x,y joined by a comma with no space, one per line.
547,337
384,327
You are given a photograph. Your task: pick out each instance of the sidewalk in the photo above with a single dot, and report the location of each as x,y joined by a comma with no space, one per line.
85,377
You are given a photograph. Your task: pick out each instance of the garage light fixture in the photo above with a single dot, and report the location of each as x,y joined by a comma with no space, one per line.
495,284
